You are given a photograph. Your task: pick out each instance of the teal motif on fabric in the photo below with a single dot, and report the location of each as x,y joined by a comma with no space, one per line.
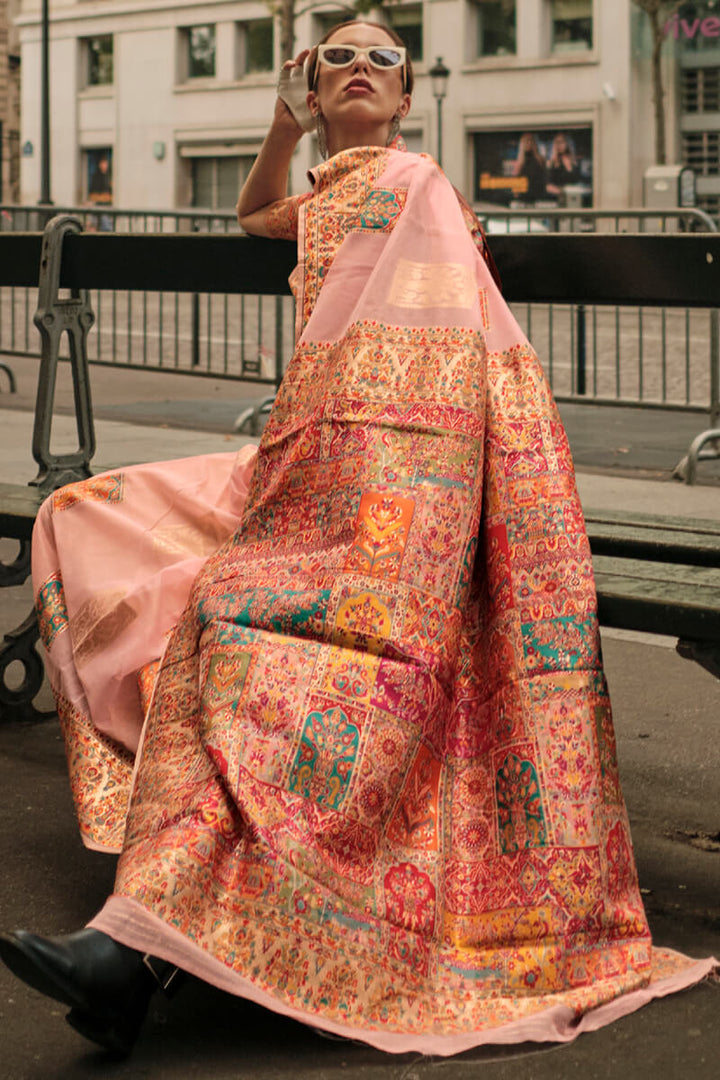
566,643
263,609
380,210
521,819
51,610
326,756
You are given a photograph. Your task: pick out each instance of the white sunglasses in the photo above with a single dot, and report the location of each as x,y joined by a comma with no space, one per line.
382,57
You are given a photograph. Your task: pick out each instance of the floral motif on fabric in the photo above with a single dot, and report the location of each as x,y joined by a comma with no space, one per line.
410,897
363,620
146,678
100,778
380,211
51,610
282,219
414,824
106,488
327,753
519,801
381,533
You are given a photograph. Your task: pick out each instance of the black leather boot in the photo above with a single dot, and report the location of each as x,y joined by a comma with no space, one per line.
107,985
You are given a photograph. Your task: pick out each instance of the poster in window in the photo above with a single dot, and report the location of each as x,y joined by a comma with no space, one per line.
534,167
99,176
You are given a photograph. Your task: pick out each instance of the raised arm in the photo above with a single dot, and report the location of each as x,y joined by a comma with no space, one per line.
267,181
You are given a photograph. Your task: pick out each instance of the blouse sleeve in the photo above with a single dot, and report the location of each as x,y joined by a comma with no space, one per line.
282,220
478,235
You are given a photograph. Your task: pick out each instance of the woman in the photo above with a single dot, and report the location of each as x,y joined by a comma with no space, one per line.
531,165
376,789
563,168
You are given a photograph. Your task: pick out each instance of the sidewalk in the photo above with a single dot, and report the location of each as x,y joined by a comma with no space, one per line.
666,710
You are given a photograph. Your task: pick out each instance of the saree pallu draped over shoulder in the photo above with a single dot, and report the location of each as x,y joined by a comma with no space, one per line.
377,786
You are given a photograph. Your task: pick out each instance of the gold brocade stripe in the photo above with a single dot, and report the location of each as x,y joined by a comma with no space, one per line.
100,777
108,488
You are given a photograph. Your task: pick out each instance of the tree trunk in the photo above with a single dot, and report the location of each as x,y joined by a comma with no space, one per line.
287,30
658,37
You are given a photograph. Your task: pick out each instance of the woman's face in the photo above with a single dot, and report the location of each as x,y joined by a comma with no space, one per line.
358,98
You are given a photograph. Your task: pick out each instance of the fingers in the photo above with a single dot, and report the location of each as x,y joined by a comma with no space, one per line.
298,61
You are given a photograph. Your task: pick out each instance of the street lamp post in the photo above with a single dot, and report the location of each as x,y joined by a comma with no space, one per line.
439,75
45,107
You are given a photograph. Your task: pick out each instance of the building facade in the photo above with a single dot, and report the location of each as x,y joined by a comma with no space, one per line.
9,104
164,103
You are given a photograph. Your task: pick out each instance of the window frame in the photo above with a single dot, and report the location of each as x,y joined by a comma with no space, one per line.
86,46
242,69
576,46
185,39
476,54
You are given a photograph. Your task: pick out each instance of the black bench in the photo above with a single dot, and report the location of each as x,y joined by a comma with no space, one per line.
653,574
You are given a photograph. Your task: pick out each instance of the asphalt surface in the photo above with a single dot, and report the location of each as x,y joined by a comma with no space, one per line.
666,714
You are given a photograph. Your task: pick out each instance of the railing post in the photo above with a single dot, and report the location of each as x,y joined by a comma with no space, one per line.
714,368
195,332
195,329
581,366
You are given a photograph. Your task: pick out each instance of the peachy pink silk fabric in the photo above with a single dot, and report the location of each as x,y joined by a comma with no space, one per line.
376,788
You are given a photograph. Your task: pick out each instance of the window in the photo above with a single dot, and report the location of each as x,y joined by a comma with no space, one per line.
99,60
99,175
216,181
256,46
701,151
200,51
572,25
407,21
700,90
495,27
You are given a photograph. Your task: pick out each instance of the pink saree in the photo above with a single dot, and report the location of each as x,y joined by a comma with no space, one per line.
376,788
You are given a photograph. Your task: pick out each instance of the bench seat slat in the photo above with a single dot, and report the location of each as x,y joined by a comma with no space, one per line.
682,601
642,536
18,509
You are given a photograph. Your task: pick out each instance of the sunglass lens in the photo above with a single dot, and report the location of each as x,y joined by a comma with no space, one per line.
385,57
339,57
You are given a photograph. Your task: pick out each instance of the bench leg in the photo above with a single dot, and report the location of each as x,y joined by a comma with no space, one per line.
16,703
19,647
11,376
707,654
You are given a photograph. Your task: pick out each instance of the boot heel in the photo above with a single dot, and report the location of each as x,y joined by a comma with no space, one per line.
117,1034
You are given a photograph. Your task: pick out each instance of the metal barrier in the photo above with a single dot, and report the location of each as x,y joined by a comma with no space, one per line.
655,358
667,358
217,336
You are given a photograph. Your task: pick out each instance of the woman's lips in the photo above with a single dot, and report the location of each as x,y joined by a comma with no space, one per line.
359,85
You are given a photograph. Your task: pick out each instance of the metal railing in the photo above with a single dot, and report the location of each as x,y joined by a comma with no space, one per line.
653,357
219,336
